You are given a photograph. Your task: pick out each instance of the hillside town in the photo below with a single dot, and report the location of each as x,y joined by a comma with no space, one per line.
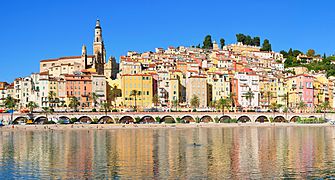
234,77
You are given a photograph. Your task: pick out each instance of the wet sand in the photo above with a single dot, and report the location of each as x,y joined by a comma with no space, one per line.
60,127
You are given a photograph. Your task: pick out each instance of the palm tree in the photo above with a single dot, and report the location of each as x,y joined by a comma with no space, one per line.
249,96
274,106
301,106
94,98
32,105
46,111
195,101
113,94
222,104
10,103
231,98
106,106
285,97
324,107
175,104
155,100
135,93
212,104
269,96
285,110
74,103
51,97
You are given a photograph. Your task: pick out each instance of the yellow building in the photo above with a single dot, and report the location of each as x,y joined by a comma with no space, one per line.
321,90
114,84
281,91
218,86
142,84
174,87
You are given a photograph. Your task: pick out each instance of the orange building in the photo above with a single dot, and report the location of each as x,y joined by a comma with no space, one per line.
79,86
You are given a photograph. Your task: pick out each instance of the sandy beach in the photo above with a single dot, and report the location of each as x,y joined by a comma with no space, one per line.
59,127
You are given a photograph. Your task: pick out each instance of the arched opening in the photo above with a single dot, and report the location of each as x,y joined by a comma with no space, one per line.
106,120
279,119
262,119
41,120
85,119
224,119
167,119
147,120
64,120
126,120
313,117
20,120
243,119
187,119
206,119
294,119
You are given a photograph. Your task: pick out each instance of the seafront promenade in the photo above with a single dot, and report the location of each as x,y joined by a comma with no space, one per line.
163,117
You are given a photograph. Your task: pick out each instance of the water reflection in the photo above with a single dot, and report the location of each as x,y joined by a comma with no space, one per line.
220,153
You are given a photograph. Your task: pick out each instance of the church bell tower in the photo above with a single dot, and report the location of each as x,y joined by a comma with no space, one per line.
99,49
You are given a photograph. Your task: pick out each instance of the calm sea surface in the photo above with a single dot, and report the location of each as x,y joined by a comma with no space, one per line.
219,153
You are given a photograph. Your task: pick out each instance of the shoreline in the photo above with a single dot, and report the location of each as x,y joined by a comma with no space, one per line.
62,127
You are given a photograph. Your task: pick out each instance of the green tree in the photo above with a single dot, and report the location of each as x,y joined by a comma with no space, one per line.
222,104
296,53
286,99
324,107
240,38
256,41
195,101
222,43
74,103
266,46
212,104
105,106
32,105
324,56
208,44
52,98
175,104
302,106
113,94
10,103
274,107
248,40
310,53
231,98
94,98
135,93
284,53
46,111
249,96
269,96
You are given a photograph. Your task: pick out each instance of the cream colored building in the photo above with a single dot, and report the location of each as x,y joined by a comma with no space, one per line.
73,64
197,85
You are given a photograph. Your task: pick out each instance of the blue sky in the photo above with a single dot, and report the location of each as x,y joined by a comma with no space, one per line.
38,29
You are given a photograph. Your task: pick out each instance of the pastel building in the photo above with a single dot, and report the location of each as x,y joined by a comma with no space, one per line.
79,86
197,85
247,81
142,84
3,92
300,89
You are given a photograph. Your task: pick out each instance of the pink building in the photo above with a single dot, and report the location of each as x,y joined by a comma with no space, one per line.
300,88
79,86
